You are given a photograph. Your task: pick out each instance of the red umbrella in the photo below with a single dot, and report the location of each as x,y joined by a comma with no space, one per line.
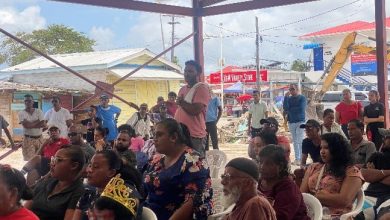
244,98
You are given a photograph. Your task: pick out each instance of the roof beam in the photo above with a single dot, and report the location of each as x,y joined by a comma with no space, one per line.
136,5
247,5
205,3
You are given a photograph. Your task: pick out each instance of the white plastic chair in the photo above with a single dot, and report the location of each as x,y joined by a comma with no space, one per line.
216,160
148,214
357,207
313,205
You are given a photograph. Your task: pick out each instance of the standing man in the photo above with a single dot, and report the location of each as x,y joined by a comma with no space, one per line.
4,126
257,110
109,115
294,106
192,101
59,117
140,122
171,103
32,120
214,113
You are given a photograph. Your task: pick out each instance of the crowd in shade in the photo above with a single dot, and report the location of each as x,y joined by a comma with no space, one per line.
156,162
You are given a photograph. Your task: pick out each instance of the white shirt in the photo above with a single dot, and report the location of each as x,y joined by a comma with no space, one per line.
59,119
258,112
141,127
334,128
36,115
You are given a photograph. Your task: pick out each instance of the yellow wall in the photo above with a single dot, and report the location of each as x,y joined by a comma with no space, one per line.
138,92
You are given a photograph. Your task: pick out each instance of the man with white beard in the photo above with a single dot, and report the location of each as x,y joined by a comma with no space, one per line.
240,187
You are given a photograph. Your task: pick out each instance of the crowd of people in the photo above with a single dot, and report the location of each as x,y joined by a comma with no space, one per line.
95,169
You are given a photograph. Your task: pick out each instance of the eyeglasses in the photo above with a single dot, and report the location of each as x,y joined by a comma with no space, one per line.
55,160
72,134
291,89
269,125
227,177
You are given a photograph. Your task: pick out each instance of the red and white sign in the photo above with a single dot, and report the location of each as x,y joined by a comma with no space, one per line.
233,77
363,58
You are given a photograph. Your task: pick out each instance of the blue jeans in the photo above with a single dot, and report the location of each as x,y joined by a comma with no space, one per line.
297,136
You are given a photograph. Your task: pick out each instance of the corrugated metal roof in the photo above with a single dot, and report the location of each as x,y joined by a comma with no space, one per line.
77,59
4,85
148,74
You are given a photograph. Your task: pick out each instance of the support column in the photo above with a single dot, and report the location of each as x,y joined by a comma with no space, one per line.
198,37
381,56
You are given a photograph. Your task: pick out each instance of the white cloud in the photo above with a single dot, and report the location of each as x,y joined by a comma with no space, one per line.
26,20
103,36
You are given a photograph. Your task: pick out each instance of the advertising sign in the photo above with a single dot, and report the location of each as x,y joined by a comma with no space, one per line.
248,76
363,64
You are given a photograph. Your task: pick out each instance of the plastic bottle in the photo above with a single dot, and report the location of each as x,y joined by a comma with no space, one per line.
326,213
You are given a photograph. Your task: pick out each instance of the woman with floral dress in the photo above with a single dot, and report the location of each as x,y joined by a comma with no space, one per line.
177,181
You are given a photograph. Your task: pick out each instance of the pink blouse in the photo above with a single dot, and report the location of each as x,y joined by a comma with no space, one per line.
330,183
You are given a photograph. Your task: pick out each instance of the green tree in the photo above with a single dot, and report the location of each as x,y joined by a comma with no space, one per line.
56,39
300,66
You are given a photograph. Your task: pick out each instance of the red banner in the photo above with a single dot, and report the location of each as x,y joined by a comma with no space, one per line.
248,76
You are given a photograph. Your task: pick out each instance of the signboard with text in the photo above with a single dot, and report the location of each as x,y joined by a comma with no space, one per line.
363,64
248,76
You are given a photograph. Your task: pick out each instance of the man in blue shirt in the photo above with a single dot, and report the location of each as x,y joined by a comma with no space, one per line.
294,106
109,115
214,112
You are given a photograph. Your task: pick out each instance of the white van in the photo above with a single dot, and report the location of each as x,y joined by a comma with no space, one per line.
332,98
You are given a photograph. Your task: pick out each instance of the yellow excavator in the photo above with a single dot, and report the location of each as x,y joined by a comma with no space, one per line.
336,64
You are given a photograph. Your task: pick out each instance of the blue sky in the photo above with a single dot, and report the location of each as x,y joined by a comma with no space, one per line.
114,28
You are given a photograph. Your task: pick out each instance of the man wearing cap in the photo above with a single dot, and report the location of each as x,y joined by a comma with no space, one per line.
257,111
39,165
294,105
109,115
58,116
362,149
140,121
311,144
157,117
271,124
239,182
213,114
32,120
377,173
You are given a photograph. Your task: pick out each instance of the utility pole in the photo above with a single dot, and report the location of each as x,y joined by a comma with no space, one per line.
258,79
173,23
221,64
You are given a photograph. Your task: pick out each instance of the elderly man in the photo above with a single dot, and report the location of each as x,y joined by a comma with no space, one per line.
59,117
192,101
361,148
239,182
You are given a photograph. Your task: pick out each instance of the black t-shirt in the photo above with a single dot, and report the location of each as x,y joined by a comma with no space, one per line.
374,111
381,162
309,148
90,130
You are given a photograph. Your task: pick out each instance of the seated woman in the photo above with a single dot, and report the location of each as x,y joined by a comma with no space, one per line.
99,138
176,181
55,197
13,188
117,201
104,165
334,181
261,140
276,185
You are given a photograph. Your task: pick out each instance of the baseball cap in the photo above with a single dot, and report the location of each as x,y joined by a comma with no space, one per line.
311,123
104,96
269,120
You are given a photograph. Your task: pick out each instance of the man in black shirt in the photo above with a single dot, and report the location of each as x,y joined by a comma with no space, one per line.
91,123
374,118
311,144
